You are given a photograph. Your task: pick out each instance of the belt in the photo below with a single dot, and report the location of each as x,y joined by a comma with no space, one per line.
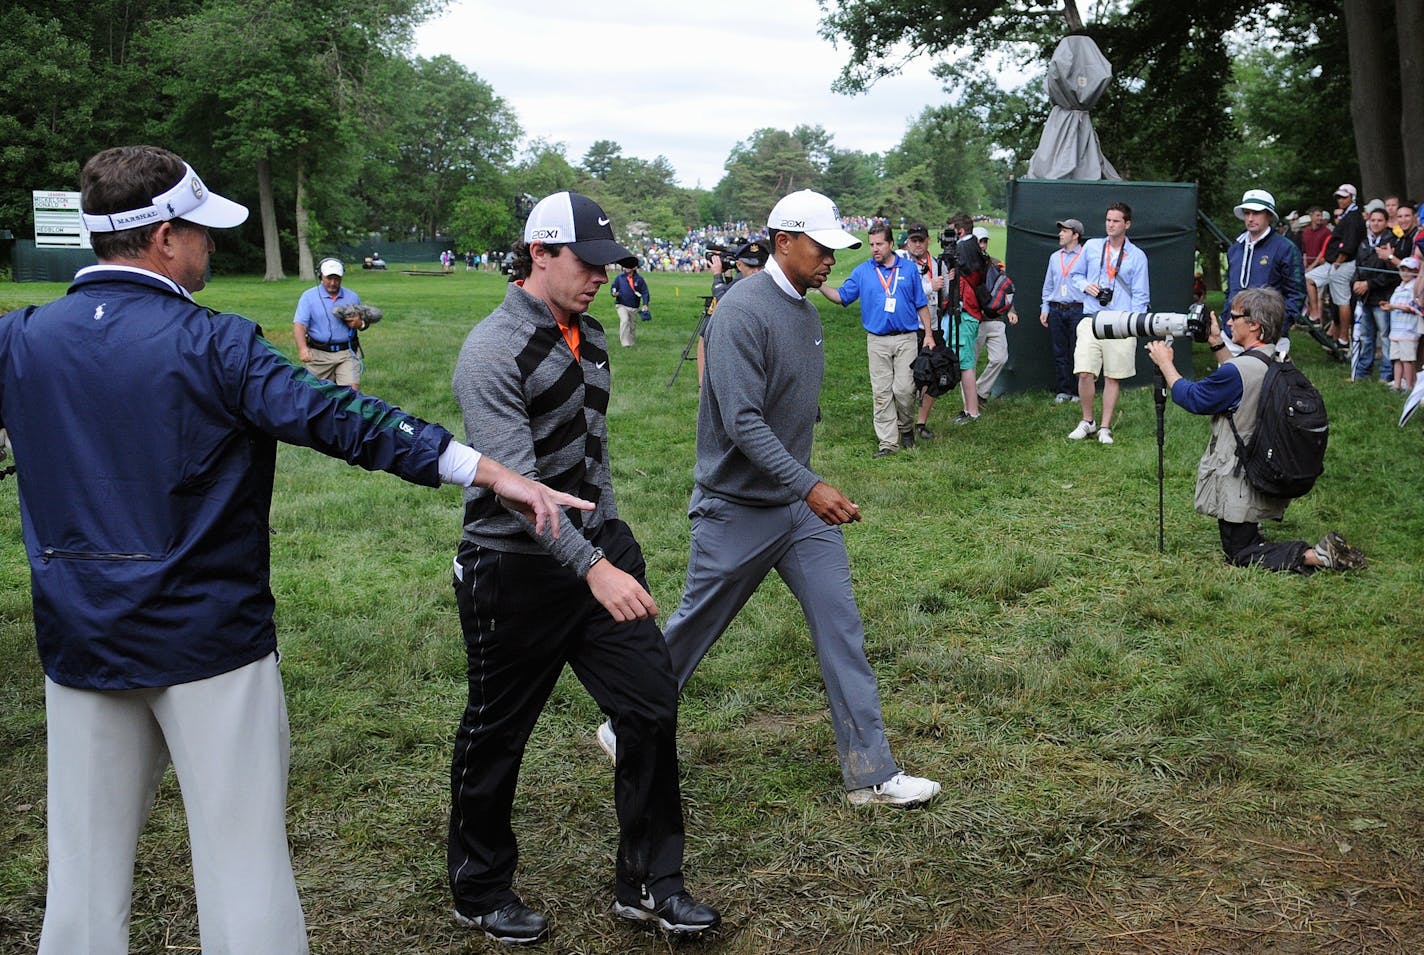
1067,304
328,346
908,331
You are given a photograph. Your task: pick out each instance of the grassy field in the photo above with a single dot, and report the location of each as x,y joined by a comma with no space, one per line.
1141,752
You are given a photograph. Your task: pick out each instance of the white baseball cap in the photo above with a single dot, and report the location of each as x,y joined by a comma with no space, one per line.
814,214
1346,190
330,267
1409,262
188,200
1256,200
980,232
575,220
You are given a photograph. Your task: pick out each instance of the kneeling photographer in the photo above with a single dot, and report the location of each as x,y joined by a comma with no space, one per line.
1232,396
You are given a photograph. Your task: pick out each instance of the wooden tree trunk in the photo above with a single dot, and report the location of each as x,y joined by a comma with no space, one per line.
305,268
267,209
1374,95
1409,27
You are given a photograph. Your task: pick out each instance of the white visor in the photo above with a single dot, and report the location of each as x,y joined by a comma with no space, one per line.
189,200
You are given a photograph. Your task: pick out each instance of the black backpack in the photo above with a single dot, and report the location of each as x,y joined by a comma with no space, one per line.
1286,452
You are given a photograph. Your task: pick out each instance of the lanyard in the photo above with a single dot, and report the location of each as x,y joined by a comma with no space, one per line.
1069,266
887,284
1108,265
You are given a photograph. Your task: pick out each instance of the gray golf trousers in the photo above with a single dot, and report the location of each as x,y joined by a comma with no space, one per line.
734,547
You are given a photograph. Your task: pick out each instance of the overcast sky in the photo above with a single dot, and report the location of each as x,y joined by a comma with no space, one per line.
682,80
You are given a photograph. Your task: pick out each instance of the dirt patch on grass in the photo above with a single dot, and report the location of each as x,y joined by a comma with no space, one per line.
1246,894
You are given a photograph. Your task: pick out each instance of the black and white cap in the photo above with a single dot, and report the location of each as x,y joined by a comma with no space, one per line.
189,200
575,220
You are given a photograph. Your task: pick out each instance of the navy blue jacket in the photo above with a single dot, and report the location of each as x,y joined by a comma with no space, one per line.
145,430
630,296
1275,263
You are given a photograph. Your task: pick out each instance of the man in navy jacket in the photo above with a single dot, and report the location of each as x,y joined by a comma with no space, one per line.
145,429
1262,258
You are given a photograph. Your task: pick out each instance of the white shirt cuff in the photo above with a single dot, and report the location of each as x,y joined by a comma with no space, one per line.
458,464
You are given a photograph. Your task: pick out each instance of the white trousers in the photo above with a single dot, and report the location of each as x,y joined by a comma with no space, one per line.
227,740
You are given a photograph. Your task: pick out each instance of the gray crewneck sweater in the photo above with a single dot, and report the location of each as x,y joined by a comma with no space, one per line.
756,419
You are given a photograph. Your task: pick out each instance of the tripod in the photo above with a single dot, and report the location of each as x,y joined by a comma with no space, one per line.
1159,398
707,302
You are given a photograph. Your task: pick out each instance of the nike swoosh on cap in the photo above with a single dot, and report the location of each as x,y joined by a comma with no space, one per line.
603,222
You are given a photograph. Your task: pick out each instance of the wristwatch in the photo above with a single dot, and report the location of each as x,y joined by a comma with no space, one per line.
593,558
1218,346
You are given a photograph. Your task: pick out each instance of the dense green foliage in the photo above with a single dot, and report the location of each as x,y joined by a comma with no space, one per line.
1141,752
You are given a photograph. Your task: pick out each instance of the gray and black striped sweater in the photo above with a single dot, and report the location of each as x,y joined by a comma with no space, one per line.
530,406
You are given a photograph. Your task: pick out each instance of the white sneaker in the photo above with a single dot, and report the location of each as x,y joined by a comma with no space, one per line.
1084,429
607,741
1105,436
899,790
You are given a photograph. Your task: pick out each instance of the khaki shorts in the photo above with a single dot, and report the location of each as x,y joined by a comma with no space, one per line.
1110,357
342,367
1406,349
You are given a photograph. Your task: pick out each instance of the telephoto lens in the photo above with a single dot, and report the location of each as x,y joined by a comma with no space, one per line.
1112,323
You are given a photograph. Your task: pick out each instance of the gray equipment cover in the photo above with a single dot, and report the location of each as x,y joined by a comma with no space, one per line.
1077,76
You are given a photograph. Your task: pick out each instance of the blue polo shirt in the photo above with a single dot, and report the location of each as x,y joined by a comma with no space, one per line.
873,283
315,311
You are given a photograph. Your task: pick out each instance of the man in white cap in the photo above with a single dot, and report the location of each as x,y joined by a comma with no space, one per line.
1337,272
326,343
533,383
146,430
1262,258
757,506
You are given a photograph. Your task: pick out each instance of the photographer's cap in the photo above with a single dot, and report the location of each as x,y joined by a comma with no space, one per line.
918,231
981,233
330,267
1075,224
188,200
754,253
1409,262
575,220
1256,200
1346,190
1375,205
814,214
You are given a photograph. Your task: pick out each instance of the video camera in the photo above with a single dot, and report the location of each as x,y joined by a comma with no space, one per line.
1119,324
728,253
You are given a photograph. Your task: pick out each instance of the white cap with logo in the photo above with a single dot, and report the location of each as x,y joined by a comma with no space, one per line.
814,214
330,267
188,200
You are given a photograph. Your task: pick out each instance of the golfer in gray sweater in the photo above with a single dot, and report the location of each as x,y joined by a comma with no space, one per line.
758,506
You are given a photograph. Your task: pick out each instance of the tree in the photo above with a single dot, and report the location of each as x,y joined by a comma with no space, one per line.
599,159
444,129
762,169
43,87
543,170
282,84
947,144
482,221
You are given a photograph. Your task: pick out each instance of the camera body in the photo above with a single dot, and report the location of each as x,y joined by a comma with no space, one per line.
1105,296
1118,324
